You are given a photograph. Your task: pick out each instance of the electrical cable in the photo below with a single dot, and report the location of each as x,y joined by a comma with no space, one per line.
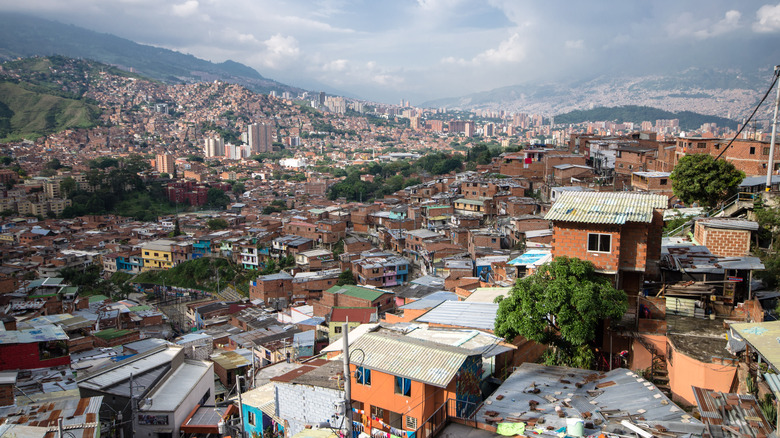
747,122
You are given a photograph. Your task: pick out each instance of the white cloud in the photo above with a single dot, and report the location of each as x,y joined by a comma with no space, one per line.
574,44
280,50
768,19
510,50
336,65
186,9
690,25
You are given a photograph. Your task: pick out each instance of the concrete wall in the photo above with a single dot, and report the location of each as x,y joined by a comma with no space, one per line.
300,405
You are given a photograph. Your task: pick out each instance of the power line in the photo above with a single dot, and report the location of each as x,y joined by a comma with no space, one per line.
747,122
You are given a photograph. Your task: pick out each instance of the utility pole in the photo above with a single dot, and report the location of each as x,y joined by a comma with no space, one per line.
240,407
347,379
770,168
133,407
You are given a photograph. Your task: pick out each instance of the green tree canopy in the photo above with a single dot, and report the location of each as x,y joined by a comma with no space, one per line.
216,198
561,305
346,277
701,179
217,224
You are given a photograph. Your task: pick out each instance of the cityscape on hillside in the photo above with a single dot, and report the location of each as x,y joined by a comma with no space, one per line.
192,249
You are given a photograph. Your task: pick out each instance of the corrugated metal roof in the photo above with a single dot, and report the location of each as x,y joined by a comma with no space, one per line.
605,207
463,314
762,336
172,392
729,223
731,415
415,359
609,397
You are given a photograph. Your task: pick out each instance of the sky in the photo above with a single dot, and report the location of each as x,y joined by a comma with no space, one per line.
425,49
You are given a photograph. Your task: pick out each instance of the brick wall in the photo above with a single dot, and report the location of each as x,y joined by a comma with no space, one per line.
633,246
723,243
300,405
571,240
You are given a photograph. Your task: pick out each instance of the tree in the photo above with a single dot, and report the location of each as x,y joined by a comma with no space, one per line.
217,224
701,179
176,229
216,198
68,185
346,277
238,188
561,305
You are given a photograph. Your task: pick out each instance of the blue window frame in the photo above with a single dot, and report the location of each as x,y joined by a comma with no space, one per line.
363,376
403,386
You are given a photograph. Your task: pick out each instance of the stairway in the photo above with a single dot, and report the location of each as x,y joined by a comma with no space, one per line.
659,373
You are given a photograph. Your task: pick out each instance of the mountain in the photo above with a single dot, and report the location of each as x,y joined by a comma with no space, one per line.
23,36
725,93
638,114
29,114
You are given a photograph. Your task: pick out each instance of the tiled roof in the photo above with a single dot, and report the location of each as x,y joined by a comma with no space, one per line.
606,207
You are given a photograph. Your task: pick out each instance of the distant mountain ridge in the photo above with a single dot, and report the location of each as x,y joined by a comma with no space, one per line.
23,36
724,93
638,114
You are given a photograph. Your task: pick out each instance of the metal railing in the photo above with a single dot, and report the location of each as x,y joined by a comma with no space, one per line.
462,411
734,200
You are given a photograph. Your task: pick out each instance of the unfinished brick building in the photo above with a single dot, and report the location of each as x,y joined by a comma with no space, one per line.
619,232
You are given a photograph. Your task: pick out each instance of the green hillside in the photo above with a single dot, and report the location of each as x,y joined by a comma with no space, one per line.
23,36
638,114
31,114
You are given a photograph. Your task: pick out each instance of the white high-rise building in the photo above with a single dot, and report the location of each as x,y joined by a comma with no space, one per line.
214,147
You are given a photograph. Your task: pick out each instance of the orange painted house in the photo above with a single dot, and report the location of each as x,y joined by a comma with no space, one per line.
399,382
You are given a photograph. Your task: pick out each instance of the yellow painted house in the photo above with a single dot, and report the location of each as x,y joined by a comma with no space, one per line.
157,255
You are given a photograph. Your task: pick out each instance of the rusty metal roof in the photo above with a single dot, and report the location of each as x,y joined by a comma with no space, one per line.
415,359
731,415
606,207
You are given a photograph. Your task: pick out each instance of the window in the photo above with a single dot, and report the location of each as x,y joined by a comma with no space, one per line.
663,181
250,418
752,150
403,386
701,145
357,405
337,329
378,412
599,242
766,151
363,376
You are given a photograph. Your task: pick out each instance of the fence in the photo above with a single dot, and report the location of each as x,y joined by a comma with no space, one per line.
461,411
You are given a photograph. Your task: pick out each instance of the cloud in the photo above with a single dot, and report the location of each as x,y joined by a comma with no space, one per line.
186,9
574,44
336,65
690,25
280,50
768,19
511,50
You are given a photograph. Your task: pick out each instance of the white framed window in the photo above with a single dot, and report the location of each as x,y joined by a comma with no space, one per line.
599,242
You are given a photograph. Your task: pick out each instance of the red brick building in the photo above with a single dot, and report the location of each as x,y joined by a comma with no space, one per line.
619,232
354,296
749,156
272,288
725,237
